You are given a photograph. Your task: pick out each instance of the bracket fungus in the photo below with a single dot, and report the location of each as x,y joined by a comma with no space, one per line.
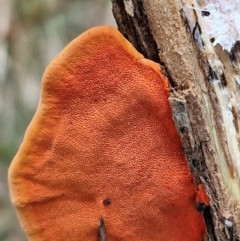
103,145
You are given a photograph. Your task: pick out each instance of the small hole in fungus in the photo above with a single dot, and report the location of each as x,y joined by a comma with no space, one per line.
106,201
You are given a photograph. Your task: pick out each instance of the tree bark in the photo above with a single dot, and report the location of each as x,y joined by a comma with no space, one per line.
205,94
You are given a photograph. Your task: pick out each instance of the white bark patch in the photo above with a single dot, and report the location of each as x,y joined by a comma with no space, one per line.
129,8
232,139
223,23
228,223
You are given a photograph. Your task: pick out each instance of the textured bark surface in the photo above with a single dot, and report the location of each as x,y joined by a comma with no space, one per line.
204,80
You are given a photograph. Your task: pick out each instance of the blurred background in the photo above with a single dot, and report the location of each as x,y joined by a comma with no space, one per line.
32,33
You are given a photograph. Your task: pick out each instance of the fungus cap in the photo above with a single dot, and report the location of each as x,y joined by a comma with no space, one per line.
102,143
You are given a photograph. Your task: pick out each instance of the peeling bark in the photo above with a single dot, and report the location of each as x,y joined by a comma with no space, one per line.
205,93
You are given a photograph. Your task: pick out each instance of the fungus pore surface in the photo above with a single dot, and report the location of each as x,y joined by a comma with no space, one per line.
102,143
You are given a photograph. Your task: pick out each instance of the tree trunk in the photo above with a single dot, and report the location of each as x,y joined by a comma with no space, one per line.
205,90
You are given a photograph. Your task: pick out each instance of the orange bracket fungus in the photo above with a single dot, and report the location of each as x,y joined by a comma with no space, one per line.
103,150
